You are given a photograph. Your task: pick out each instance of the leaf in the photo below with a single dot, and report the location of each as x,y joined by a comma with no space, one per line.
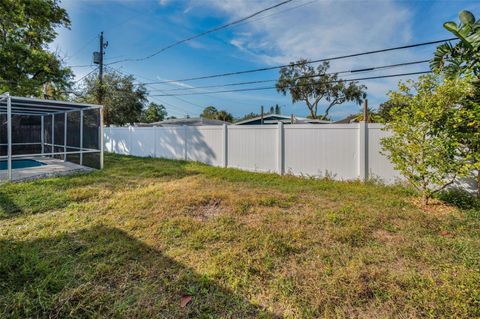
185,300
466,17
451,26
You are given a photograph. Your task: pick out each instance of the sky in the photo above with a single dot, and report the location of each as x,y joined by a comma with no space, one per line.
310,29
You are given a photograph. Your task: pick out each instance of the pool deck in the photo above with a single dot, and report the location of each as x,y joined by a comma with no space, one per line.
54,167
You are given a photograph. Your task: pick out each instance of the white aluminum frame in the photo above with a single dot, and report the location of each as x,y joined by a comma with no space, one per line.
30,110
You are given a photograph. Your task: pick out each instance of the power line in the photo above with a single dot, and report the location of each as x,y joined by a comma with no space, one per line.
178,98
273,87
166,104
308,62
278,12
79,66
300,77
83,77
204,33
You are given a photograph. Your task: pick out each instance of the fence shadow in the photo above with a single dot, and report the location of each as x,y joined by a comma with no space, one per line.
103,272
168,142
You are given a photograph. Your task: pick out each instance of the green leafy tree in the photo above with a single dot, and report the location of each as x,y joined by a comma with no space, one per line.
373,117
153,113
224,116
425,146
123,100
26,66
310,85
210,112
384,110
463,59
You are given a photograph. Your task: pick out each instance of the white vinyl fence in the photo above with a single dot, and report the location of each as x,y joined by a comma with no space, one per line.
340,151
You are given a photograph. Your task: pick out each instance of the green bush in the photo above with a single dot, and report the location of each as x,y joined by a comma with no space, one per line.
460,198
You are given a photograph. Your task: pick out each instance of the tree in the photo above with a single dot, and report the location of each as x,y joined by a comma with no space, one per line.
153,113
123,100
463,59
26,66
373,117
224,116
384,110
277,109
310,85
210,112
425,145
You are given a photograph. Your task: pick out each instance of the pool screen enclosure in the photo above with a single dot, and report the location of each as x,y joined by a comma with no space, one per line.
37,128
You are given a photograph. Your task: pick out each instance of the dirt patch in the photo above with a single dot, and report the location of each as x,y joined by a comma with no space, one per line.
206,209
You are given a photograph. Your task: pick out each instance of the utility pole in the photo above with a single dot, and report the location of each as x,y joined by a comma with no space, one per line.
261,115
365,110
98,59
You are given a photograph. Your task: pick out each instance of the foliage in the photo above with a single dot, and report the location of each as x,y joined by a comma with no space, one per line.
373,117
224,116
425,145
310,85
463,59
153,113
460,198
248,116
26,66
123,100
384,111
211,112
275,109
464,56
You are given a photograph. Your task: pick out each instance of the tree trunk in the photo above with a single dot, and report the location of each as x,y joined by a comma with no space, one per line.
425,199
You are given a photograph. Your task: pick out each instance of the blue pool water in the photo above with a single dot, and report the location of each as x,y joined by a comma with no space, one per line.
23,163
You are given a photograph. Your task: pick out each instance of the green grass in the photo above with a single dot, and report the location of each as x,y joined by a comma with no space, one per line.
131,240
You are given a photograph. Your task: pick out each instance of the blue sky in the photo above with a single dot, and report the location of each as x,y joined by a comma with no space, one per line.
310,29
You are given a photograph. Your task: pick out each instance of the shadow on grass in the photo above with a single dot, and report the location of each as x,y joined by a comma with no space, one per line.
120,173
103,272
8,206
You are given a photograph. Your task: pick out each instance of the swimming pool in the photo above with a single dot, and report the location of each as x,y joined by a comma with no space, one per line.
22,163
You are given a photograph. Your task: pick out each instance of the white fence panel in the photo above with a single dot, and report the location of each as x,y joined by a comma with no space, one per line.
379,166
205,144
170,142
322,150
340,151
253,148
141,142
117,140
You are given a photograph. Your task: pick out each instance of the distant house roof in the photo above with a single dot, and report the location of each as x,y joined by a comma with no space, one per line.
349,119
193,121
276,118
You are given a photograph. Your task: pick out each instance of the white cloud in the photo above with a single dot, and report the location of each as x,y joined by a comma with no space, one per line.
322,29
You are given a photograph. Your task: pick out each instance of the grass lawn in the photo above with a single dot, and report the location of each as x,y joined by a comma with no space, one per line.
131,240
